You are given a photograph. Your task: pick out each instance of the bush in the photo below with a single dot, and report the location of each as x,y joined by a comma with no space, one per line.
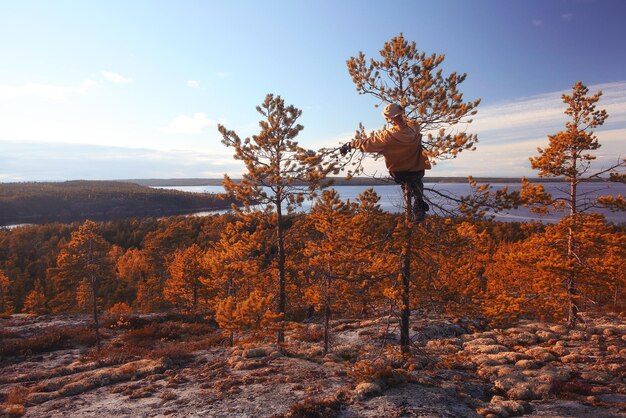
379,370
168,331
17,395
310,333
314,408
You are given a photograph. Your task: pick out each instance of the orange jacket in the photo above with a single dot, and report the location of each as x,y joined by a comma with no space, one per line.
401,147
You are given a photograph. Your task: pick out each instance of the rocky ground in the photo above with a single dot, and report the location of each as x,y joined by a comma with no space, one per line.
175,368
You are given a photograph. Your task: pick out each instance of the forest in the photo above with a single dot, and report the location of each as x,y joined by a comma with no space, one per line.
500,271
39,202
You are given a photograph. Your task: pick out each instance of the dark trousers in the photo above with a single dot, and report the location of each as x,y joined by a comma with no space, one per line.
412,180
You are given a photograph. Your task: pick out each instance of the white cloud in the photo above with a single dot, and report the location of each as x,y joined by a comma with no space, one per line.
184,124
544,113
194,84
537,22
36,161
567,16
222,74
116,78
46,91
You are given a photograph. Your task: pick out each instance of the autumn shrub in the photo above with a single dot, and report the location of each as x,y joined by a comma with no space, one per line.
367,371
177,353
577,387
310,333
313,408
12,410
120,308
115,354
49,339
168,331
17,395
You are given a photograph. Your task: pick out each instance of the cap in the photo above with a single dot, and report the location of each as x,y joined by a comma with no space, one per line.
392,110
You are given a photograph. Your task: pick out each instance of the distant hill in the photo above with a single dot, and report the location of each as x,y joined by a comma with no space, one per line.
98,200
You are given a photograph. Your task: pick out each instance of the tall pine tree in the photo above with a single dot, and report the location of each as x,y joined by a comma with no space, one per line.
279,174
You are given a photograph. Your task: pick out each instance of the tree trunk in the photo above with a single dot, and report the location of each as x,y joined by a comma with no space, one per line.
327,313
282,297
94,292
405,266
572,311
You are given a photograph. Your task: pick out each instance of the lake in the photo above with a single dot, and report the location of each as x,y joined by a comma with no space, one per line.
391,197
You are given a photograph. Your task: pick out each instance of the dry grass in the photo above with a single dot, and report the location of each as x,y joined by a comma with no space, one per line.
17,395
381,370
49,339
12,410
315,408
149,334
310,333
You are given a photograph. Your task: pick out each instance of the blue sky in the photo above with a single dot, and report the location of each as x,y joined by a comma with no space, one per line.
134,89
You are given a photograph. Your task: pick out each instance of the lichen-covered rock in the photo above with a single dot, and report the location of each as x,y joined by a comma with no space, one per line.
596,376
500,407
577,335
254,353
572,358
524,338
541,354
559,329
528,364
479,341
485,349
545,335
560,350
368,389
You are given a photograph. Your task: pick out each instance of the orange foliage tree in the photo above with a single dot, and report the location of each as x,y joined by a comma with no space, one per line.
83,264
36,301
6,302
131,270
183,288
158,247
253,315
567,156
528,277
432,102
328,255
237,263
276,169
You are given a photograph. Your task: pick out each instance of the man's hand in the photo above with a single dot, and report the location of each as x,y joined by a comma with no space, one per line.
345,148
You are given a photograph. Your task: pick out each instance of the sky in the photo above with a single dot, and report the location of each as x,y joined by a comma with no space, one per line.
135,89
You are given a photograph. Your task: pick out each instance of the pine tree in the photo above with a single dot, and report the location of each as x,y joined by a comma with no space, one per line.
83,265
328,255
431,101
237,263
529,277
276,169
131,269
252,314
184,287
567,156
6,300
36,301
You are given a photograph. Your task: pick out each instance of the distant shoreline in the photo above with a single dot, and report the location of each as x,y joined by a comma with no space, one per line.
338,181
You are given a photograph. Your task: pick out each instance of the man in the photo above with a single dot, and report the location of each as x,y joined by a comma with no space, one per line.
401,145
